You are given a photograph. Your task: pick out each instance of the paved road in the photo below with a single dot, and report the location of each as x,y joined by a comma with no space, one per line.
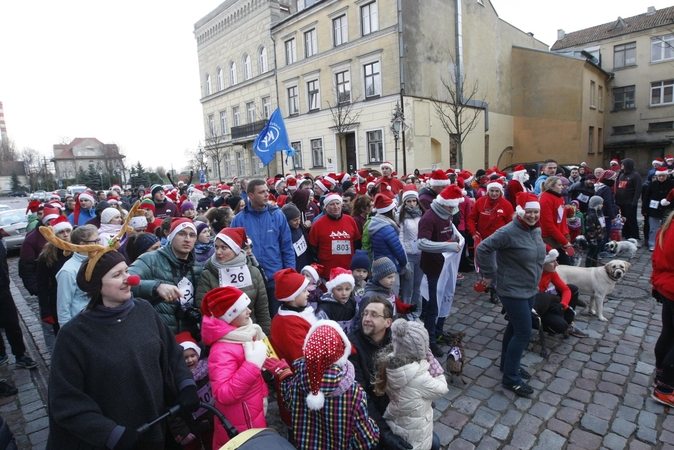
591,393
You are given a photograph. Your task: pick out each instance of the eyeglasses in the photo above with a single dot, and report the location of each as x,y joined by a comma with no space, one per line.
372,315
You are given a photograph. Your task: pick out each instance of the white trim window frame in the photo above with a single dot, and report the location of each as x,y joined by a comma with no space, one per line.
250,112
208,85
266,107
372,79
310,43
293,100
343,86
227,160
220,80
313,95
662,48
340,30
374,140
291,51
240,164
233,79
298,158
247,67
236,115
662,93
262,59
223,122
369,18
317,153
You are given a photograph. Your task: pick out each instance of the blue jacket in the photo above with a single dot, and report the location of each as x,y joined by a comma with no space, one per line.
70,300
385,241
270,233
85,216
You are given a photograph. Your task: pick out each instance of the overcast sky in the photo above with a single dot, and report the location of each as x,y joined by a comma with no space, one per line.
126,72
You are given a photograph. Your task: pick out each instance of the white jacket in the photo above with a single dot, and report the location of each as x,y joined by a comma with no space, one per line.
409,232
411,389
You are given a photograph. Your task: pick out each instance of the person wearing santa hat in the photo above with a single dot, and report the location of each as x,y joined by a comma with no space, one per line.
84,209
652,207
627,195
669,163
554,228
384,235
31,247
435,184
329,408
228,266
520,253
169,278
387,176
235,362
338,303
163,207
437,235
333,236
516,184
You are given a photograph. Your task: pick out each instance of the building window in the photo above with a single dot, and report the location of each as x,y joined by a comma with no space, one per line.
372,80
223,123
314,95
240,164
291,51
310,43
661,126
250,112
317,152
208,84
623,98
266,107
247,68
263,60
232,74
211,126
624,129
236,114
600,140
662,48
625,55
293,101
600,103
343,84
661,92
590,141
228,165
340,32
369,18
221,80
592,86
375,147
297,159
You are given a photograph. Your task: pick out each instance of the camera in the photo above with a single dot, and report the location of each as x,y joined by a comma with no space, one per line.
189,313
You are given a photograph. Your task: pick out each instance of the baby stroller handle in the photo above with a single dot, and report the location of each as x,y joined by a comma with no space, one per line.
231,430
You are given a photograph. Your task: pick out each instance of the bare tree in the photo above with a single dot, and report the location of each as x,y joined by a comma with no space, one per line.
344,118
459,114
214,150
31,163
7,150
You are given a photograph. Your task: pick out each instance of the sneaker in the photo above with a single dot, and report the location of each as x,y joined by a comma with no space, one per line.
522,389
6,390
3,359
460,276
574,331
661,397
436,350
651,249
26,362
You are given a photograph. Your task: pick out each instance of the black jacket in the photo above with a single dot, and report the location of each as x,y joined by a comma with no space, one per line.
629,185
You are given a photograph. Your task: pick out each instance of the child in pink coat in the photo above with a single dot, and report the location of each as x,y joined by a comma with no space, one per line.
235,361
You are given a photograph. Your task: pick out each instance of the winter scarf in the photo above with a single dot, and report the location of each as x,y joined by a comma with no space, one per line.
239,260
347,380
247,333
440,211
413,213
201,371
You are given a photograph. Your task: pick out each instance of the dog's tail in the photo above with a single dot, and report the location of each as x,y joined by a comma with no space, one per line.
633,241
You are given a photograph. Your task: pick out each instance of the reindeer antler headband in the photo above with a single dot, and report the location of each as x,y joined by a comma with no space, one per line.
95,251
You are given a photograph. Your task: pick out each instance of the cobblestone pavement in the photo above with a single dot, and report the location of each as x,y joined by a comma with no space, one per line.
590,393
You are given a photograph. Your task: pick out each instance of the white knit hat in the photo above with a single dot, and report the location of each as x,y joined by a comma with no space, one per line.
551,256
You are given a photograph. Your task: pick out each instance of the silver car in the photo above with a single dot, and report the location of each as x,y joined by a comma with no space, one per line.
13,228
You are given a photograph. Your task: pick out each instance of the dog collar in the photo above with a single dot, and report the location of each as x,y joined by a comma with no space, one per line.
609,274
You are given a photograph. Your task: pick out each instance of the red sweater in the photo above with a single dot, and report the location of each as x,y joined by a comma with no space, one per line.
553,218
335,241
662,277
561,287
485,218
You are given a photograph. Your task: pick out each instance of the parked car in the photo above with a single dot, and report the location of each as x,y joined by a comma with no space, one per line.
5,208
17,194
62,193
39,195
13,225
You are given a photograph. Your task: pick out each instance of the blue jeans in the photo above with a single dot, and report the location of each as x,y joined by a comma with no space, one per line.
410,291
432,309
516,337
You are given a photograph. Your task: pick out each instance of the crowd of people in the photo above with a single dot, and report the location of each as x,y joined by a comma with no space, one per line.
332,291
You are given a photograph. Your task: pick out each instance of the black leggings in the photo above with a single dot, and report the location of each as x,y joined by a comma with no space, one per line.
556,323
664,348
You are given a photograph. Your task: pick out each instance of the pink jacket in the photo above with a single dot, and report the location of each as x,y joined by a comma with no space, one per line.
238,386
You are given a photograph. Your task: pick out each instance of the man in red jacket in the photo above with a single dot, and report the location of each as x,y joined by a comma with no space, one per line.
489,213
387,176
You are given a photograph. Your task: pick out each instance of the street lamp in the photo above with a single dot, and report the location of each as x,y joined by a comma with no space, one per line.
397,125
200,156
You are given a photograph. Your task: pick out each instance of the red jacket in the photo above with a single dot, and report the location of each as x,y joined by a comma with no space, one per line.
485,219
662,277
553,218
396,184
561,287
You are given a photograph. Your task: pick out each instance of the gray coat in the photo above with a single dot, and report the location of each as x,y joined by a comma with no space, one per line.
520,252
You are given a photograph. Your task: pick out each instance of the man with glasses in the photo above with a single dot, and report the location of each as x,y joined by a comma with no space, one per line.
549,169
374,334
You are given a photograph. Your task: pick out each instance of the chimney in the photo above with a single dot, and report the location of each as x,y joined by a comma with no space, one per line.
560,34
3,127
650,11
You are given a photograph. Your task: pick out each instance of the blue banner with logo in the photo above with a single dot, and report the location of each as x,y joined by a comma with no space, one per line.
273,138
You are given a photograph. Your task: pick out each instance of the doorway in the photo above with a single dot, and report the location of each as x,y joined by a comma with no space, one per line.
351,160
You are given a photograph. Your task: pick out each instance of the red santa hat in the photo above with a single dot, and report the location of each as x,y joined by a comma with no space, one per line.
49,213
669,199
233,237
615,162
519,169
179,224
450,196
662,170
291,184
669,158
362,175
330,178
410,191
33,206
583,164
187,342
344,176
87,195
54,196
658,162
116,187
279,181
551,256
289,284
496,184
325,345
383,203
224,303
59,224
385,164
526,200
339,276
172,195
439,178
324,185
314,270
331,197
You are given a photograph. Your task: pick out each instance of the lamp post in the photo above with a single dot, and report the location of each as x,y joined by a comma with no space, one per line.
397,125
200,156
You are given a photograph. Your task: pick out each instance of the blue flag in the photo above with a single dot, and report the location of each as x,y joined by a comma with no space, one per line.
273,138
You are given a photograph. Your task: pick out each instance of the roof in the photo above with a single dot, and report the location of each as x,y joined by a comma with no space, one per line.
618,27
9,167
111,151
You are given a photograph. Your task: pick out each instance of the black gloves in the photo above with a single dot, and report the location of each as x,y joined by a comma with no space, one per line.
656,296
188,399
389,441
129,440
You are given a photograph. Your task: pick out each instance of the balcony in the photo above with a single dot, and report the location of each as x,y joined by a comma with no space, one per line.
247,132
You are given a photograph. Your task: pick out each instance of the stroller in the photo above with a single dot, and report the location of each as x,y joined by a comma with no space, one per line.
255,438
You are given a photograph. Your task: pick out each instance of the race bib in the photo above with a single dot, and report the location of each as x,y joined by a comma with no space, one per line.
622,185
583,198
206,396
654,204
602,221
300,246
341,247
560,214
345,325
238,277
187,291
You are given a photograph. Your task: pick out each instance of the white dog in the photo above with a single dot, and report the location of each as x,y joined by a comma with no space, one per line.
628,246
597,282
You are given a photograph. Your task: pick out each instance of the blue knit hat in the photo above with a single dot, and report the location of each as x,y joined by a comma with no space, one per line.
360,260
382,268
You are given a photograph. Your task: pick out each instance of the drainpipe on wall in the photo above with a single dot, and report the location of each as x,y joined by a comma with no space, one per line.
401,54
